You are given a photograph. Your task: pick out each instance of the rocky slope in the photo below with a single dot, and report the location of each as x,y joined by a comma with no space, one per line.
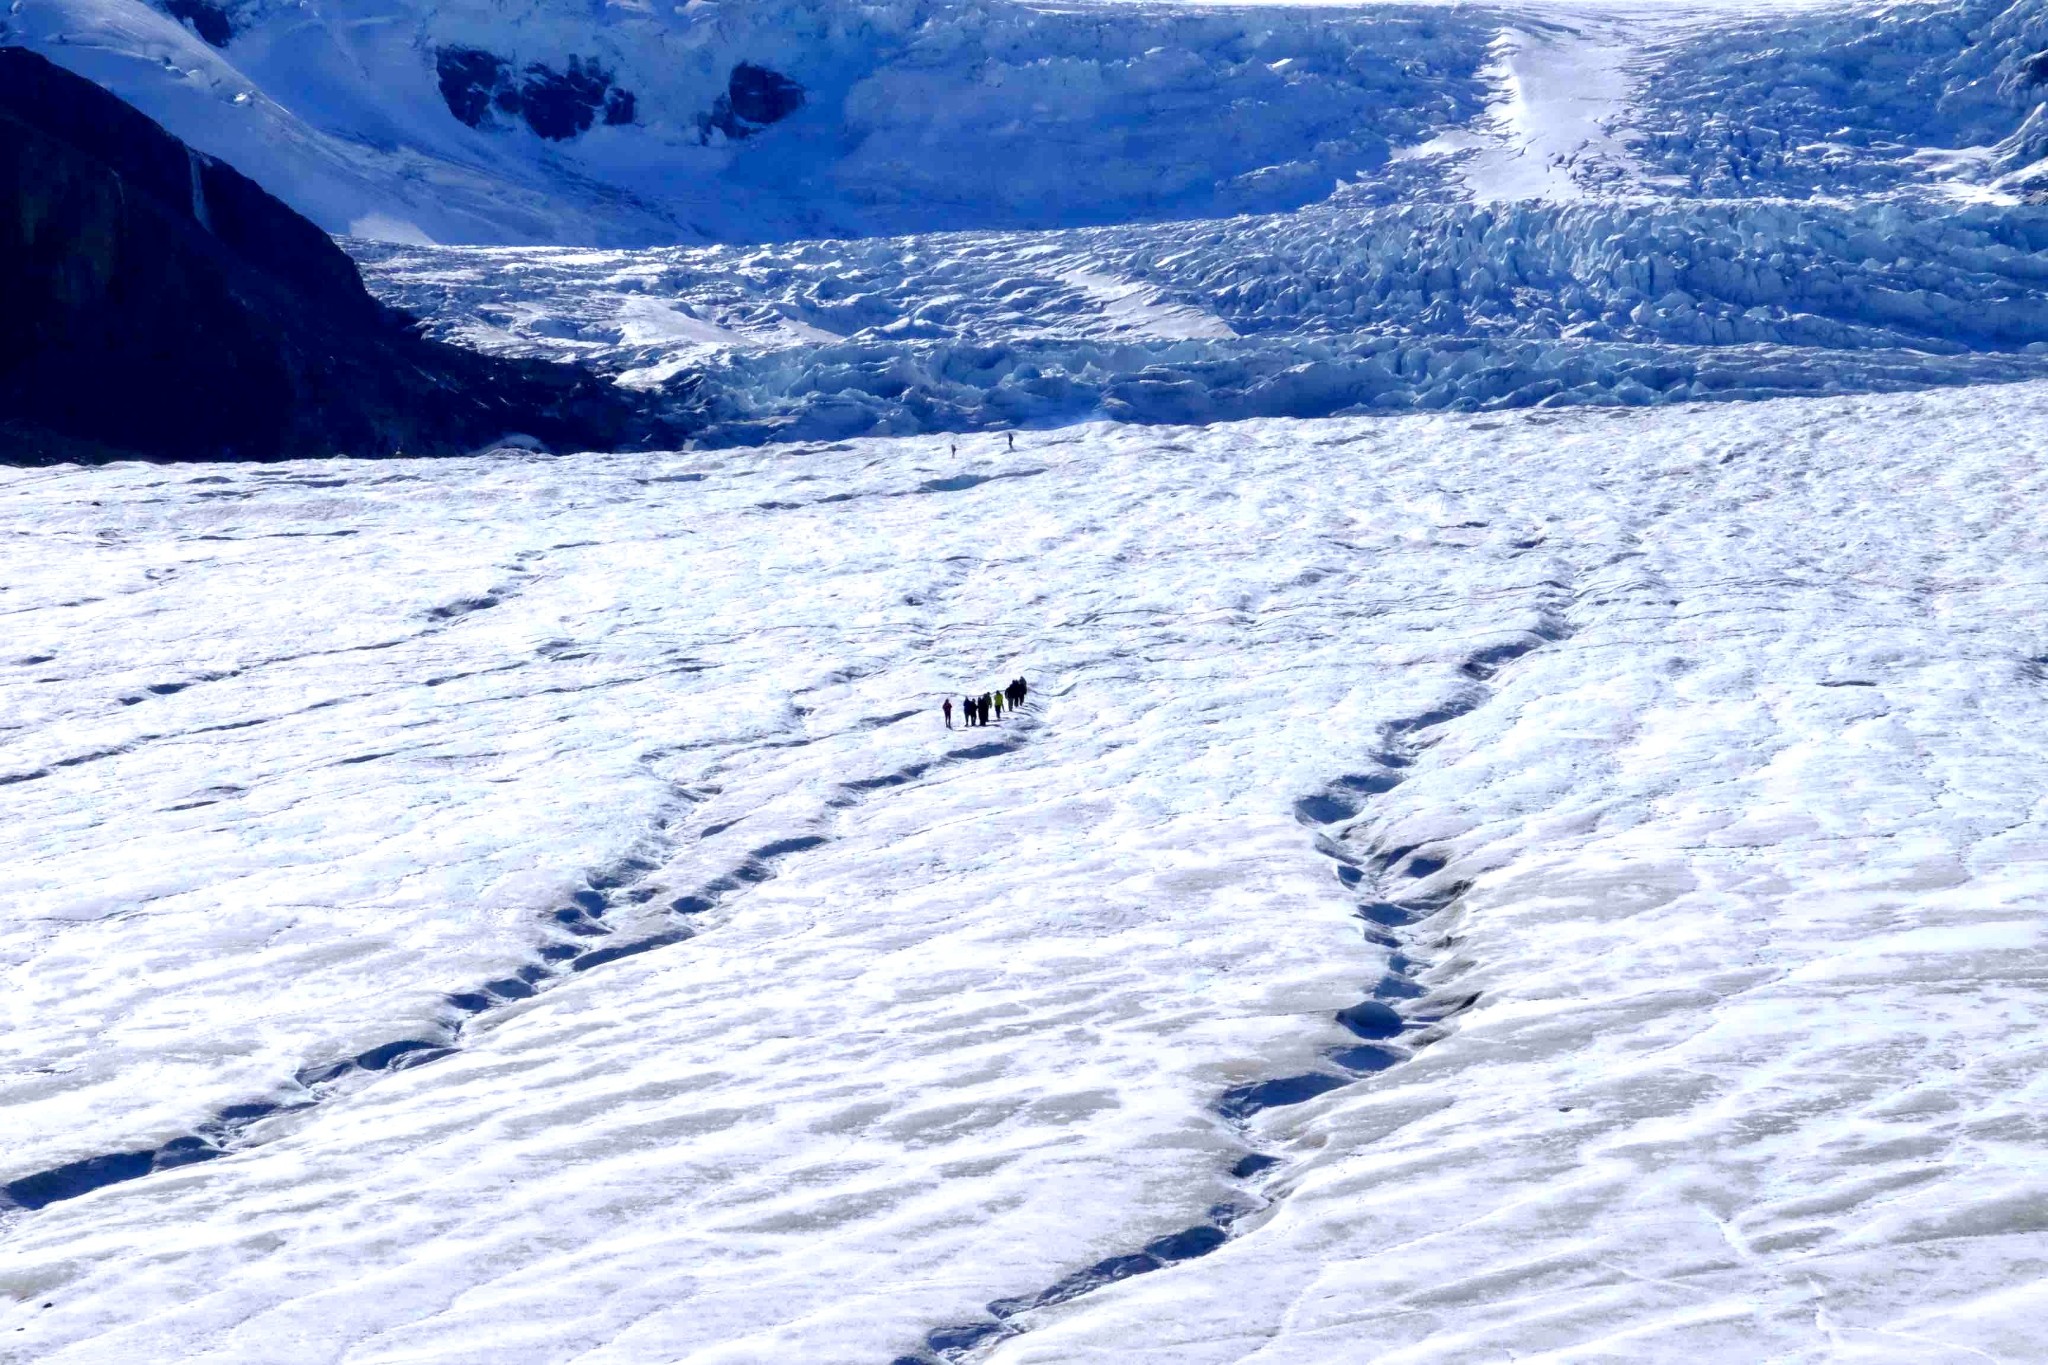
155,302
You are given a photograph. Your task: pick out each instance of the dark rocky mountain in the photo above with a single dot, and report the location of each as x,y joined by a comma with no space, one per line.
478,86
155,302
754,98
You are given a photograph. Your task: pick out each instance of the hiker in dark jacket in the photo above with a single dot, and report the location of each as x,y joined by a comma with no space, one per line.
948,709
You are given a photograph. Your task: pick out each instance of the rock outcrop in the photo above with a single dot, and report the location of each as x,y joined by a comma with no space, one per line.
754,98
477,86
155,302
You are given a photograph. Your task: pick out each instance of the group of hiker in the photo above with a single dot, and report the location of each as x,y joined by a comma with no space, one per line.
980,710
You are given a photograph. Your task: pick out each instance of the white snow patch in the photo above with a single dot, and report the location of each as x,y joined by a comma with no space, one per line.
382,227
1561,92
1138,310
644,322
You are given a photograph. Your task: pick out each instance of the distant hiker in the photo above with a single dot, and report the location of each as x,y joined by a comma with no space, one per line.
955,448
966,711
1013,440
948,709
999,705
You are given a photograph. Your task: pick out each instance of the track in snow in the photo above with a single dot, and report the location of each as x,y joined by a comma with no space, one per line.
1400,1015
621,884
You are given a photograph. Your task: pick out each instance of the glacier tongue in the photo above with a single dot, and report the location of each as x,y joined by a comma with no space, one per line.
1626,814
1510,853
476,121
1331,309
1440,207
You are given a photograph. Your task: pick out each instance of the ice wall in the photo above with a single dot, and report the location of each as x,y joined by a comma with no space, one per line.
1304,314
1866,99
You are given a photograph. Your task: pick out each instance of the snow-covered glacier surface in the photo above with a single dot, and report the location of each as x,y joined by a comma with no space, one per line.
1554,884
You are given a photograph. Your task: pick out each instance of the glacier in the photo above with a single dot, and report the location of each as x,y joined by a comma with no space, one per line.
1322,311
1620,825
813,220
1522,523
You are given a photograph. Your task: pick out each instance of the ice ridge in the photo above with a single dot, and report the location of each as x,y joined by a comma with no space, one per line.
1336,309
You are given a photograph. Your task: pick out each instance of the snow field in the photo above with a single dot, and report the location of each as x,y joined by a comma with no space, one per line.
1551,883
1763,972
1716,732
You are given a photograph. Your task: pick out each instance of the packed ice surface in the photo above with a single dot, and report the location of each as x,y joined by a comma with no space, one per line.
1655,792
